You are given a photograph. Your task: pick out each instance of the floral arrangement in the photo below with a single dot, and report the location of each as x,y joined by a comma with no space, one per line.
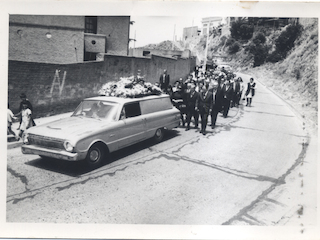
130,87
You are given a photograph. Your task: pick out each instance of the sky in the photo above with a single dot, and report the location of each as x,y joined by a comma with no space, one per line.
155,29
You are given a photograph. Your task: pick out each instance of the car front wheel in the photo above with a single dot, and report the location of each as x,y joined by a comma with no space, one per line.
95,156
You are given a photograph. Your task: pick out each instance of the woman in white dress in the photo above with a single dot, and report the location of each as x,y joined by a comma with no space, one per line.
250,91
25,118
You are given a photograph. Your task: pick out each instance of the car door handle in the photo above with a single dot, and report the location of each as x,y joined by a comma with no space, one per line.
111,135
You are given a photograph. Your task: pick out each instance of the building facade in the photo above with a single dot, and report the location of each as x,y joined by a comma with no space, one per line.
210,22
190,32
66,39
146,52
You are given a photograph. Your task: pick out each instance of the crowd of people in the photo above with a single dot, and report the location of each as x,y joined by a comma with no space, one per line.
206,94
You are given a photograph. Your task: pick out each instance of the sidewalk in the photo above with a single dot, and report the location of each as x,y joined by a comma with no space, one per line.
13,143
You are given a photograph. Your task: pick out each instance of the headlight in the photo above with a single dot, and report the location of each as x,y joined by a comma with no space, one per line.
68,146
25,139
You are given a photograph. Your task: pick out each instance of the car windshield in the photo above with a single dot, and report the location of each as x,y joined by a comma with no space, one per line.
96,109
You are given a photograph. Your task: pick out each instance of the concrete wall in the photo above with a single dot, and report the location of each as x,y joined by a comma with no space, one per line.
138,52
58,88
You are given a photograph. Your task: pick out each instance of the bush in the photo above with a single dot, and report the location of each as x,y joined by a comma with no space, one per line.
241,31
235,47
259,38
285,42
230,41
297,73
259,52
274,57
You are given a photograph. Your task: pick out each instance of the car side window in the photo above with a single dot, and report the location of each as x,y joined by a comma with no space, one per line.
123,114
130,110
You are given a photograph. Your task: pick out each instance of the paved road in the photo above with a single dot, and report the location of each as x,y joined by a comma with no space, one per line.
244,172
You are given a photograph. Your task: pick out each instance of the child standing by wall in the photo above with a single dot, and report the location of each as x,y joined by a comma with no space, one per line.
26,118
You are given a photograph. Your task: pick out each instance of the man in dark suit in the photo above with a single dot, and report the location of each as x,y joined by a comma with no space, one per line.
217,97
236,93
164,81
204,106
191,102
227,97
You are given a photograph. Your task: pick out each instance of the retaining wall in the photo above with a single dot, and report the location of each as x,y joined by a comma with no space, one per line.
58,88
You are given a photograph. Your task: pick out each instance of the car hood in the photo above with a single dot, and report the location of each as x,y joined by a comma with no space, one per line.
69,128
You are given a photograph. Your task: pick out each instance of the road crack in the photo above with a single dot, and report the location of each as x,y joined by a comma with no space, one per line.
89,179
234,172
22,178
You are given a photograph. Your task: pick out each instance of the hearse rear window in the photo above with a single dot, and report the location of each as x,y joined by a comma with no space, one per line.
155,105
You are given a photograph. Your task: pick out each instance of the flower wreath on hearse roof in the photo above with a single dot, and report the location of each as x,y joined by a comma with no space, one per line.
130,87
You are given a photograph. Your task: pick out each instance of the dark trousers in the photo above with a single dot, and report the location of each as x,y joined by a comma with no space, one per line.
226,107
204,120
214,114
236,99
192,113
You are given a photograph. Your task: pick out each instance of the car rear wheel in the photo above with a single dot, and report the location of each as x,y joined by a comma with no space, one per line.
158,136
95,155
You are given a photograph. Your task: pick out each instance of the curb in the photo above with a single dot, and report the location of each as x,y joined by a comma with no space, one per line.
14,145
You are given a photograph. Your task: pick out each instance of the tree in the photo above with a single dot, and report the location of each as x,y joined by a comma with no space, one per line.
240,30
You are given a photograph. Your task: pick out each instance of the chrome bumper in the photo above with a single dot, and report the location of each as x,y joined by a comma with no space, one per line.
53,153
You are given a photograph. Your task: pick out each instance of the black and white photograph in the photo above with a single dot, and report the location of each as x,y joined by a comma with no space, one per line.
160,120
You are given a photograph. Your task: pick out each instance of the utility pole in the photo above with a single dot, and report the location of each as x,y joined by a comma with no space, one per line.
206,53
174,32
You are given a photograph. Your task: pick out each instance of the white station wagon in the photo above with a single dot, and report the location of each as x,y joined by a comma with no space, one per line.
101,125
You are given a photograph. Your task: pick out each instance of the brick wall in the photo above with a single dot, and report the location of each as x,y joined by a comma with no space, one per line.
58,88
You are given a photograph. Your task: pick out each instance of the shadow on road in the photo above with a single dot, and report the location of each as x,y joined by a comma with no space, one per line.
75,169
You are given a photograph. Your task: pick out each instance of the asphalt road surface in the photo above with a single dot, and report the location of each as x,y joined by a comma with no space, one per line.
249,170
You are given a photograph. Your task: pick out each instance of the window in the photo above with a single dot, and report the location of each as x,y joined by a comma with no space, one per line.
132,109
91,25
145,53
88,56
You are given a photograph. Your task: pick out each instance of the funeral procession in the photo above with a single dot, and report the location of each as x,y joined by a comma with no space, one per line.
217,126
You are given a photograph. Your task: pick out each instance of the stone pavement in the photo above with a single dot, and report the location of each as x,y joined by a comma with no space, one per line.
13,143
